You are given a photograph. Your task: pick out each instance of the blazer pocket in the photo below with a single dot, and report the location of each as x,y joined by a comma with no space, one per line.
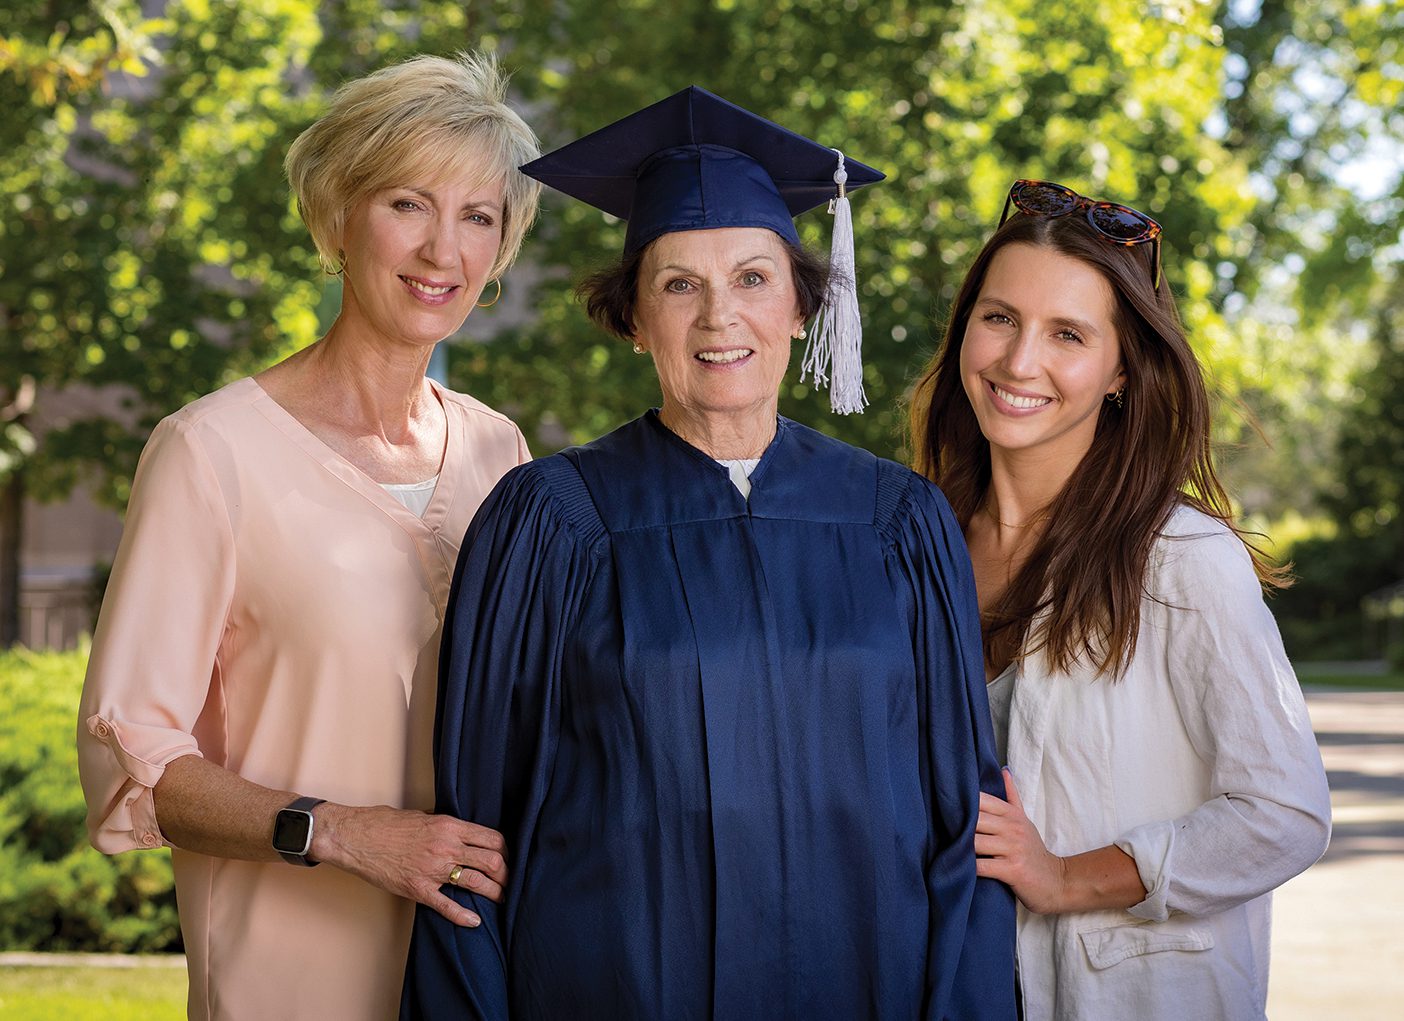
1115,943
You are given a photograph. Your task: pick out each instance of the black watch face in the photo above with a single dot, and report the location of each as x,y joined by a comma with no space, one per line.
291,830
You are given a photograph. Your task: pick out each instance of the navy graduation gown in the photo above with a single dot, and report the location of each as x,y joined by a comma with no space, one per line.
736,749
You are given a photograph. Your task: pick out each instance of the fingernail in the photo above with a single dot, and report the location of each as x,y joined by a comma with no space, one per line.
474,921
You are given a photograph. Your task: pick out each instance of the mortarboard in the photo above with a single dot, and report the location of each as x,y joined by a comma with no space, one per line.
694,161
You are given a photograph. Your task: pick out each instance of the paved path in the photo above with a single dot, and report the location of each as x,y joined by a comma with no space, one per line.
1338,929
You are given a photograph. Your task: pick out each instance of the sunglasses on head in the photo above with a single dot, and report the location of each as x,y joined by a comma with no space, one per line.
1121,225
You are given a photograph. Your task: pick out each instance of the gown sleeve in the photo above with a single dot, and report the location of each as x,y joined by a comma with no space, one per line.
970,956
157,640
522,575
1243,711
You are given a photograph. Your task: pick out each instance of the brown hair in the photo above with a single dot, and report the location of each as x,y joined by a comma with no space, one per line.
426,116
610,294
1146,458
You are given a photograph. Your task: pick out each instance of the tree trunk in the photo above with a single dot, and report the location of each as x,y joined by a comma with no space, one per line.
11,532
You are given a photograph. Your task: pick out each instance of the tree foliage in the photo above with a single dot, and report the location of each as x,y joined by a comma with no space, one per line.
1312,97
952,101
1322,617
179,264
148,243
1315,91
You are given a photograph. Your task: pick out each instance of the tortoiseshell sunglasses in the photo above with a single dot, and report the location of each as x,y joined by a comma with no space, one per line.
1121,225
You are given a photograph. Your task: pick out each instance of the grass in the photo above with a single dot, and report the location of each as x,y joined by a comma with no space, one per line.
1357,682
92,994
1375,677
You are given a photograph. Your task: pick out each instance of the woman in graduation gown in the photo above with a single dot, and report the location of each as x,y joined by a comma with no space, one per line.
715,676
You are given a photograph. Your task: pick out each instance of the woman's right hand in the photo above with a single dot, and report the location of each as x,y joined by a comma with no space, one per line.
1011,850
412,854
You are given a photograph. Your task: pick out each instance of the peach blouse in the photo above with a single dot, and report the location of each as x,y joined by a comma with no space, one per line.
273,609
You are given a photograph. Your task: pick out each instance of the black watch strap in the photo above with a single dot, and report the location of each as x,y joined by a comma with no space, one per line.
292,831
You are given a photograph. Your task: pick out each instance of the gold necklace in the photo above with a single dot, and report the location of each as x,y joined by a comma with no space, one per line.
1009,524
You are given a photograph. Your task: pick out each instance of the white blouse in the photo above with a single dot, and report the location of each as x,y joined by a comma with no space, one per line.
1200,764
415,496
740,471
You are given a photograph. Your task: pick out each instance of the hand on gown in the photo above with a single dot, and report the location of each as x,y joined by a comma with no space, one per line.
1012,851
412,854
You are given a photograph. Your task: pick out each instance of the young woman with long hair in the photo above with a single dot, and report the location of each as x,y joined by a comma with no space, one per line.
1163,777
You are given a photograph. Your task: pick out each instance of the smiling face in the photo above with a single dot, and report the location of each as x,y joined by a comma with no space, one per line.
417,256
1040,354
717,310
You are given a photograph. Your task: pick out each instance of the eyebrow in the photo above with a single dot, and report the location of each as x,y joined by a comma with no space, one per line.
1082,325
486,204
744,261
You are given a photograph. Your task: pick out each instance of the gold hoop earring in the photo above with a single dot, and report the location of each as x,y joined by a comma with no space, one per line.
1118,398
495,298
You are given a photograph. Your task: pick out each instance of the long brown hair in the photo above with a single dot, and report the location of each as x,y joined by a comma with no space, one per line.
1146,458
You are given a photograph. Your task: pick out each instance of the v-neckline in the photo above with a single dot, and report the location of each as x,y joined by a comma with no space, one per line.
356,479
715,464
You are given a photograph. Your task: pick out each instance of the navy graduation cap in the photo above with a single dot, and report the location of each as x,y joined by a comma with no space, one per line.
694,161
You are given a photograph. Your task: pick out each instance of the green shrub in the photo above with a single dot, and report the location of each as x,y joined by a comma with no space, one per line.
56,892
1320,615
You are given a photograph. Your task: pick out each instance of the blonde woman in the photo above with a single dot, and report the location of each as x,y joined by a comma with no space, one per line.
261,689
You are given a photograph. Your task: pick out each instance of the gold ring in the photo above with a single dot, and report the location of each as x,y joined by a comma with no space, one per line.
453,876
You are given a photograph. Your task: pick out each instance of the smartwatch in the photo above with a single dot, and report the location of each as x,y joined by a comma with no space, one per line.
292,831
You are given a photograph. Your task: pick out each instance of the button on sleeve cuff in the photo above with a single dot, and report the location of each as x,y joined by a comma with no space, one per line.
119,780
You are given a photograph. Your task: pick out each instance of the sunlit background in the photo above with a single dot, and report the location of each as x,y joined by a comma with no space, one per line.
149,253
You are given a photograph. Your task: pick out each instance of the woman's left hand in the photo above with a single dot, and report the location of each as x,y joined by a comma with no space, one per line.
1012,851
413,854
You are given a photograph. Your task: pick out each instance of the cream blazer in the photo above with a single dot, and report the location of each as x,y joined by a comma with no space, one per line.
1200,764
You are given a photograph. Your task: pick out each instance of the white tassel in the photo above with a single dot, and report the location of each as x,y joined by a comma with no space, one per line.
836,342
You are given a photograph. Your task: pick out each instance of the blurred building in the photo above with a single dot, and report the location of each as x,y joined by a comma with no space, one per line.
65,548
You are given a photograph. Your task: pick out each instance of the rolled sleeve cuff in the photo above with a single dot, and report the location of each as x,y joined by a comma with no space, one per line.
1150,847
127,820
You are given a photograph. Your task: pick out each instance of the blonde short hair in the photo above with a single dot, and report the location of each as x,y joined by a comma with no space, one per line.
427,116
